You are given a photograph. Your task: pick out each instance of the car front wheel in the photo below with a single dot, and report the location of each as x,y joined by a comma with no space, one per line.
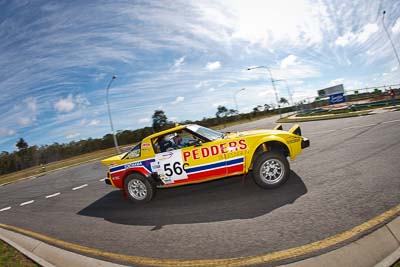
271,170
138,188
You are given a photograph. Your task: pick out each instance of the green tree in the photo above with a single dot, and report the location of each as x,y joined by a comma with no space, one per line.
221,111
283,101
160,120
21,144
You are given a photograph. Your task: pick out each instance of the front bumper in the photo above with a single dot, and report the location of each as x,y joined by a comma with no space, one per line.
305,143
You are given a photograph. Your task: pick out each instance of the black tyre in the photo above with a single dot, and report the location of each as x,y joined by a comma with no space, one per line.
138,188
271,170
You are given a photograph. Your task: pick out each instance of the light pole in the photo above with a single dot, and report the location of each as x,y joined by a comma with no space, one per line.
273,85
109,115
288,90
390,39
234,98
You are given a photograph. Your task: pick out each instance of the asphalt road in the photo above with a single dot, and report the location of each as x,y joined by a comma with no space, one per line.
349,175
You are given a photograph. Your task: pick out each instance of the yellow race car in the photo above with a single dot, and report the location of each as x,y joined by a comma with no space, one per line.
191,154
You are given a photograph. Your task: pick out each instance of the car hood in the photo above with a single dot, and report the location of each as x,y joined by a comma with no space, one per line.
109,162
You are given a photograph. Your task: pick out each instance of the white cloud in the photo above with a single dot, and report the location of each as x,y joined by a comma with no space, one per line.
6,131
81,101
68,104
94,123
345,39
27,114
213,65
212,89
178,100
65,105
385,74
201,84
301,23
335,82
72,135
144,120
24,121
179,62
360,37
394,68
366,32
216,104
290,60
396,27
266,93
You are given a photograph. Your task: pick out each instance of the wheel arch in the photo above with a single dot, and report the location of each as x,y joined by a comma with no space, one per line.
277,144
152,177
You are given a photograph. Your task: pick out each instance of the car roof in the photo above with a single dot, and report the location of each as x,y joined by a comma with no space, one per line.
176,128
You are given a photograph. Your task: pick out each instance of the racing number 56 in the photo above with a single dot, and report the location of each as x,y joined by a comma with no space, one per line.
174,168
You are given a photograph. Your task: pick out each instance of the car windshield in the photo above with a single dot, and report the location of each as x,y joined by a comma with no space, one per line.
133,153
207,133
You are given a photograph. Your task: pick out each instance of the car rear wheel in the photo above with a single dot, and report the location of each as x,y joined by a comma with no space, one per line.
271,170
138,188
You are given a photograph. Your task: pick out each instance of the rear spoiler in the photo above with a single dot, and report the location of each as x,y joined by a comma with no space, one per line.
295,130
278,127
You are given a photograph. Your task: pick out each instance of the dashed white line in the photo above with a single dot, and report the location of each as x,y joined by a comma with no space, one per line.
27,203
4,209
103,179
53,195
79,187
359,126
390,121
327,131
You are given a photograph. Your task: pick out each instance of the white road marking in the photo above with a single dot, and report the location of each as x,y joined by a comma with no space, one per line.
79,187
390,121
27,203
4,209
53,195
359,126
321,132
103,179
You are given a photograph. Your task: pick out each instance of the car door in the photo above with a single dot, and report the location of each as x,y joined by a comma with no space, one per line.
193,160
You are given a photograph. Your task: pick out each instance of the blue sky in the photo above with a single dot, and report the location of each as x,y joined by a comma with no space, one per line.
184,57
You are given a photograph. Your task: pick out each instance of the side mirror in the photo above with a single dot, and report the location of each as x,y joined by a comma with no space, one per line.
198,143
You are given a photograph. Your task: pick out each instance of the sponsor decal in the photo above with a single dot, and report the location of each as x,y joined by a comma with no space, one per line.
214,150
133,164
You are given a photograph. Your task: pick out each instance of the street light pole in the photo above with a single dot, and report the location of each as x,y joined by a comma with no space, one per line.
390,39
234,98
109,115
273,85
288,90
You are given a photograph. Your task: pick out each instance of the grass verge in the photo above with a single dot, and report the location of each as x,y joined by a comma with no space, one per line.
324,117
10,257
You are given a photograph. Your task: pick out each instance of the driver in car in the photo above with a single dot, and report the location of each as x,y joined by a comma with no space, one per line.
164,143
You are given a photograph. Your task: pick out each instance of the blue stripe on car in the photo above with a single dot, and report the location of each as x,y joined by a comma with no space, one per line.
215,165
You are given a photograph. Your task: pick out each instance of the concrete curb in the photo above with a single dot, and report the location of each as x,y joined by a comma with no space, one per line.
380,248
49,256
